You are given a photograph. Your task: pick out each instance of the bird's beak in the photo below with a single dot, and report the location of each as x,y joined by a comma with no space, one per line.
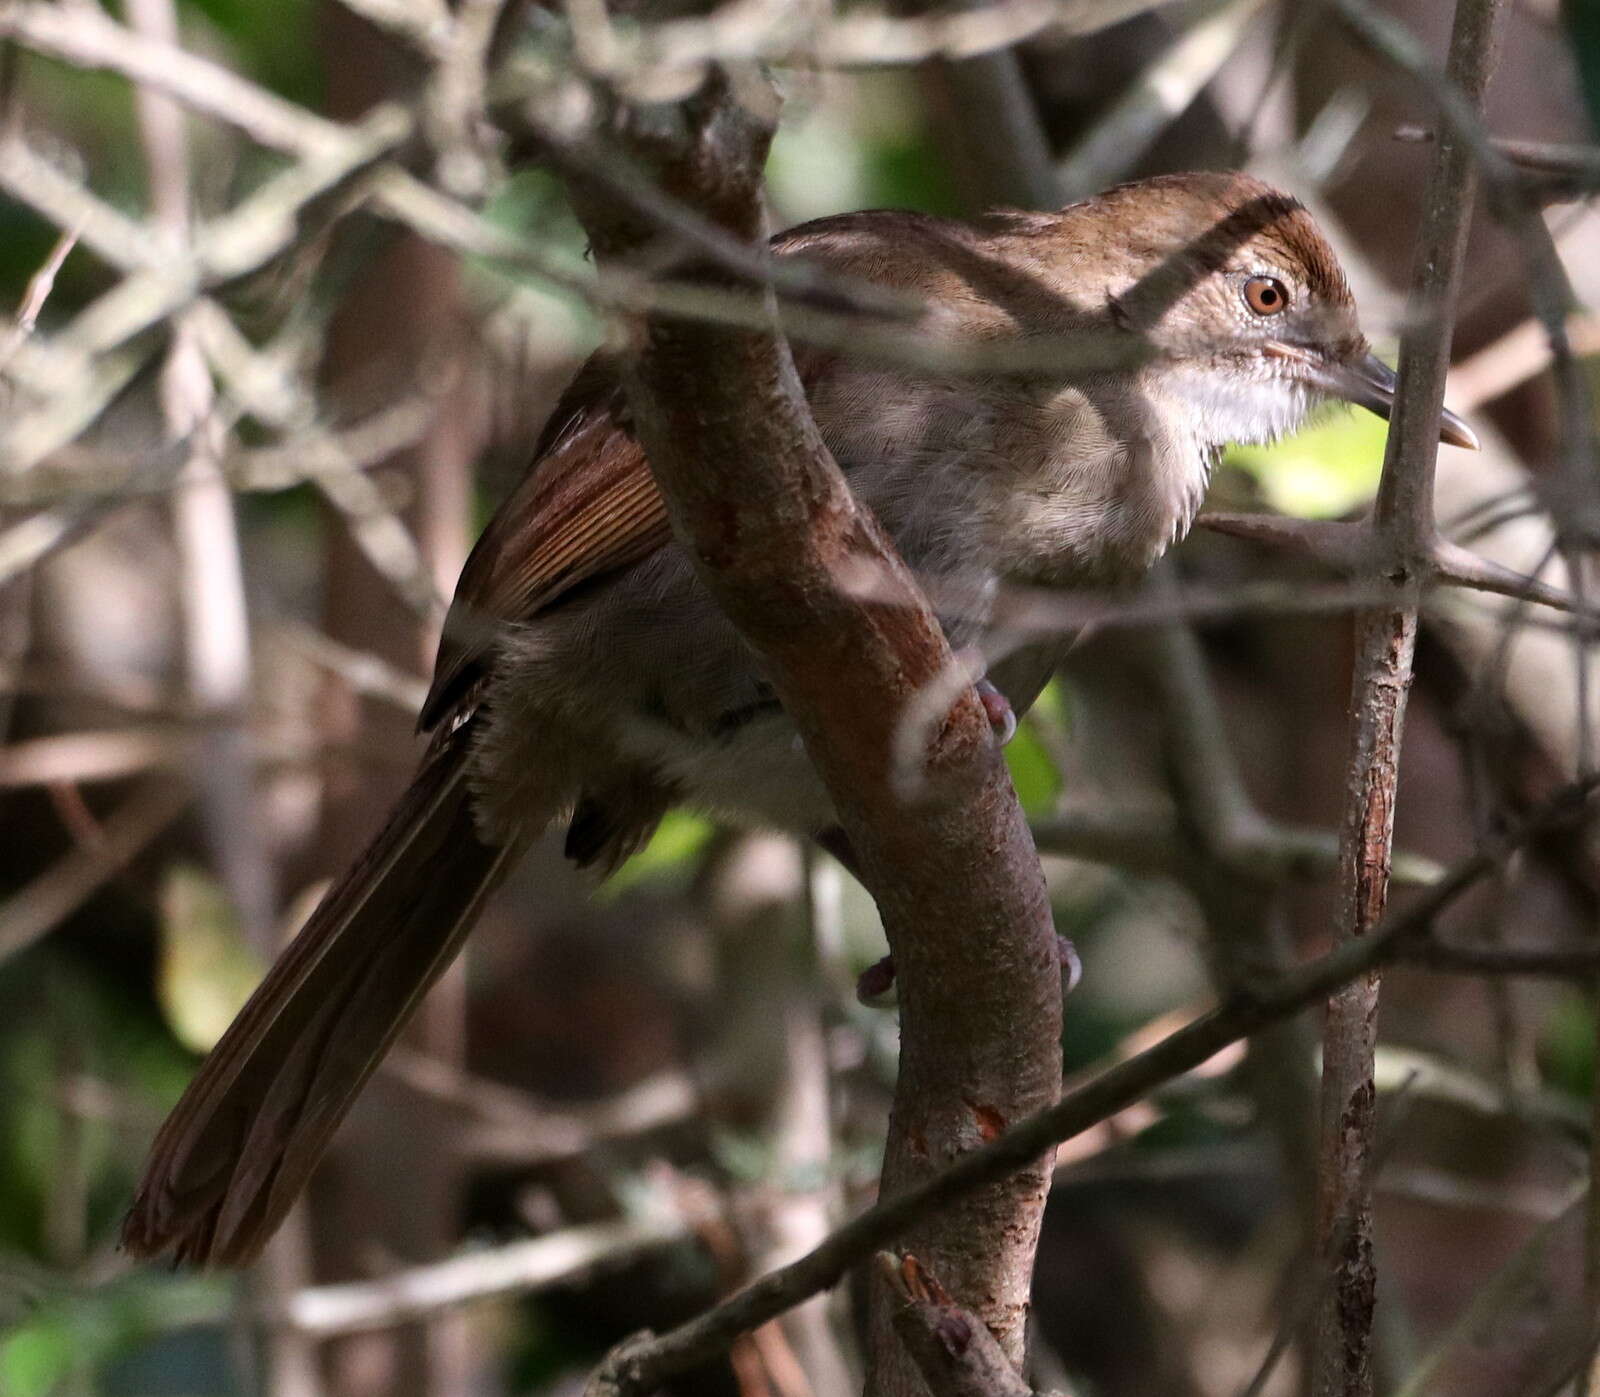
1370,383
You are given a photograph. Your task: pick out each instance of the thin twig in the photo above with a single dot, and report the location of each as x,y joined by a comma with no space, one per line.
1352,548
86,37
35,294
517,1268
1118,139
55,894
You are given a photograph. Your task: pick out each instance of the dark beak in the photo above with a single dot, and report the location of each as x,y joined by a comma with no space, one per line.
1368,382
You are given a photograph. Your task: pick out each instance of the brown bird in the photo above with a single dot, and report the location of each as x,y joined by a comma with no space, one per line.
586,676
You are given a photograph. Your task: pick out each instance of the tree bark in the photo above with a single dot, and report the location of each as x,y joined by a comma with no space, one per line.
757,499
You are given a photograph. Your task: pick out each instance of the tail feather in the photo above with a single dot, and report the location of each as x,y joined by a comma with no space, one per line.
241,1143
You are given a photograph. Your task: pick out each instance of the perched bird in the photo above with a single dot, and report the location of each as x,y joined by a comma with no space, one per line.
586,676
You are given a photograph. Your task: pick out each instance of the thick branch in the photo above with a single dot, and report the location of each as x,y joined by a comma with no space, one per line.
756,498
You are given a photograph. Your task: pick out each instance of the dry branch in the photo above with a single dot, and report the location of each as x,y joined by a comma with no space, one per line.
61,889
1353,549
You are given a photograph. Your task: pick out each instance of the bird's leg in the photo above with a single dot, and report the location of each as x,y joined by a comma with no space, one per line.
878,978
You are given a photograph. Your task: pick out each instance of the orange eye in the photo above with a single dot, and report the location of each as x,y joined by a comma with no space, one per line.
1266,295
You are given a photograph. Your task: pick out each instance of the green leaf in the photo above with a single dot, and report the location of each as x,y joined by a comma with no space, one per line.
207,971
1033,773
35,1358
272,40
1566,1045
677,839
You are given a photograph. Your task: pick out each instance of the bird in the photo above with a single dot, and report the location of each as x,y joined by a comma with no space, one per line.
585,677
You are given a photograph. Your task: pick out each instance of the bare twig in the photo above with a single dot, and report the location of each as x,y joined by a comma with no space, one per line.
672,55
1352,549
1115,142
1149,836
55,894
86,37
425,24
1556,170
1514,1286
1554,962
506,1126
93,756
1514,358
517,1268
365,672
35,294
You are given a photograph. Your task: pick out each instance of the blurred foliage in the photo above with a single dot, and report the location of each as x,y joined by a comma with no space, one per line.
68,1027
670,854
271,40
1323,472
67,1336
1583,26
1567,1044
207,970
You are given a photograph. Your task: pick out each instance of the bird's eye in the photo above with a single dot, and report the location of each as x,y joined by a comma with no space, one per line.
1266,295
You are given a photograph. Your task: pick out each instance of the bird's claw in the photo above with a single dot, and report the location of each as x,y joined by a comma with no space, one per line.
1002,717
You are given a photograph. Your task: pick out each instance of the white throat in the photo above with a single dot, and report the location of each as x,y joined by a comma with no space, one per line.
1217,408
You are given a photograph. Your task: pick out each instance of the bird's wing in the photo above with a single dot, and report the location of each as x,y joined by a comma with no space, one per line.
587,506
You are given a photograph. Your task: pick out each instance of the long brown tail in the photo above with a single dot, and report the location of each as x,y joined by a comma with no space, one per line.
239,1146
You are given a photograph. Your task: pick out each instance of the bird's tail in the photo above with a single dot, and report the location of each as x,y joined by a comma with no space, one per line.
239,1146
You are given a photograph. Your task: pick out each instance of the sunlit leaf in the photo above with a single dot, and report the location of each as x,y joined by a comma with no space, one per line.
817,166
1033,772
677,839
207,970
35,1358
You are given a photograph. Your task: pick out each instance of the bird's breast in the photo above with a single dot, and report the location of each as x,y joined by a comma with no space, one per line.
1096,485
1062,484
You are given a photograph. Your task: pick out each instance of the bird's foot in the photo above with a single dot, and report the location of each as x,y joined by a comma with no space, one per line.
878,978
998,708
